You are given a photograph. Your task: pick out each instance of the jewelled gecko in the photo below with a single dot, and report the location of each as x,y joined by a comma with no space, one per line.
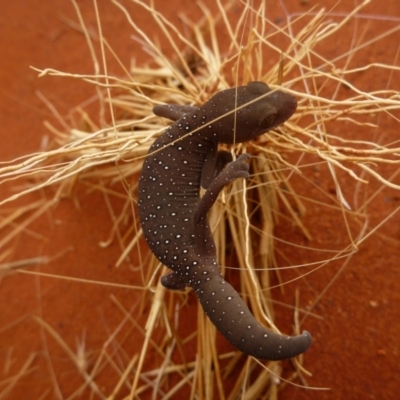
174,216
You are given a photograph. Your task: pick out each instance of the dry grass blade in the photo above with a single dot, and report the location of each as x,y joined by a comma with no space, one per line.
74,357
11,382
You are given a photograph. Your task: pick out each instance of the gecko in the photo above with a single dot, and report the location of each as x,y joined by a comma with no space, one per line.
173,215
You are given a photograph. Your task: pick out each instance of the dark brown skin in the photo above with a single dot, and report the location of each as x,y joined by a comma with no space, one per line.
174,217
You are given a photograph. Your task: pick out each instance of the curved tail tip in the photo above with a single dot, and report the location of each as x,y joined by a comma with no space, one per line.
307,340
308,334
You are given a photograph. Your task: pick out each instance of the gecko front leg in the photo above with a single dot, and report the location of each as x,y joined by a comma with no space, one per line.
238,168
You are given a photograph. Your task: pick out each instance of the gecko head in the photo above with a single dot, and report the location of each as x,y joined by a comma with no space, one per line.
258,109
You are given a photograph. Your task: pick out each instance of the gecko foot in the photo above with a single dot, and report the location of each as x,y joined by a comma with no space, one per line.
238,168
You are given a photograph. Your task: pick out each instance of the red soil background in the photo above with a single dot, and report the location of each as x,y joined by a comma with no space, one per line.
356,345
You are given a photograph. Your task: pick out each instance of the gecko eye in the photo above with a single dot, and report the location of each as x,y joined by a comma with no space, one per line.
268,121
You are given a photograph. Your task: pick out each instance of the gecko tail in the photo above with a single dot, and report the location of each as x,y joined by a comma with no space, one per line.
233,319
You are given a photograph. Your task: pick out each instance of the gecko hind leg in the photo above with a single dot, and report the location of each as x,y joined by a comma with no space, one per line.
173,281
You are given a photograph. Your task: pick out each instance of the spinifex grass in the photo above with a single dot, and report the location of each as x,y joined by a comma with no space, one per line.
112,149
